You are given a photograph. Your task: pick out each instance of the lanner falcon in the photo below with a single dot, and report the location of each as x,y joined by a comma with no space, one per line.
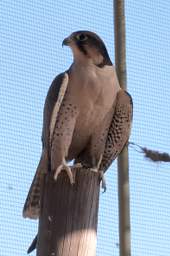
87,116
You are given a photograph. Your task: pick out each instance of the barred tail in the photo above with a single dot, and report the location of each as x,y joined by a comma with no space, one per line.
32,204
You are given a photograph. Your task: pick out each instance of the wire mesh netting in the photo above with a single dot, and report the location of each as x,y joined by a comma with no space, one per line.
31,56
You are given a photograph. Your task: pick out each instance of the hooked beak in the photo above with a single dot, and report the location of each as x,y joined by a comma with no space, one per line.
66,41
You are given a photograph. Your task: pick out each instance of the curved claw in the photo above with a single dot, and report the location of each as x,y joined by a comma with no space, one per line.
102,177
103,181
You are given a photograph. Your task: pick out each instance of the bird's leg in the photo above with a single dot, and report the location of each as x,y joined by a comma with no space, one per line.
66,168
97,145
97,169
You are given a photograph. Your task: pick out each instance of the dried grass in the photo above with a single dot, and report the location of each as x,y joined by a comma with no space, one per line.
152,155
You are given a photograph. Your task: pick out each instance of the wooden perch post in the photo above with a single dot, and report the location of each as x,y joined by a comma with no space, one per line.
68,221
123,162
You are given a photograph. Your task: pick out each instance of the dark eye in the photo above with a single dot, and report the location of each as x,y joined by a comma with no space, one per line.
81,37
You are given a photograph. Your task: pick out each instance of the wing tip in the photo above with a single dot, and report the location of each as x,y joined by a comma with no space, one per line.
33,245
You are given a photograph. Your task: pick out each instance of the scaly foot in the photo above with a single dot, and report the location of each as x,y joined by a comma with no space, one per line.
66,168
97,168
102,177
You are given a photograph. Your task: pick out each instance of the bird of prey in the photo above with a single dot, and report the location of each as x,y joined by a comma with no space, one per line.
87,116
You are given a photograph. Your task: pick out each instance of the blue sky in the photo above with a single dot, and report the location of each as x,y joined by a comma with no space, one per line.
31,56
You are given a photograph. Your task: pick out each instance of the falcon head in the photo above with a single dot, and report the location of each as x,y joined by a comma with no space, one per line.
88,47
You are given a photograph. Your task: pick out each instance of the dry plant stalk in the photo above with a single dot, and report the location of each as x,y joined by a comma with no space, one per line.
153,155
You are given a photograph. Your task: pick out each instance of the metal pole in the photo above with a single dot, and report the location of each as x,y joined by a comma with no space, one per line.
123,162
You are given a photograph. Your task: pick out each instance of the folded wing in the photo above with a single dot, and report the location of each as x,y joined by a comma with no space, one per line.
119,130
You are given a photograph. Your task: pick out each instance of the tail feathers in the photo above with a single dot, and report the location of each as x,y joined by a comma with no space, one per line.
32,204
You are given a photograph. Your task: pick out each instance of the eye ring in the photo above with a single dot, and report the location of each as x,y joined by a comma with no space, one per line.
82,37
